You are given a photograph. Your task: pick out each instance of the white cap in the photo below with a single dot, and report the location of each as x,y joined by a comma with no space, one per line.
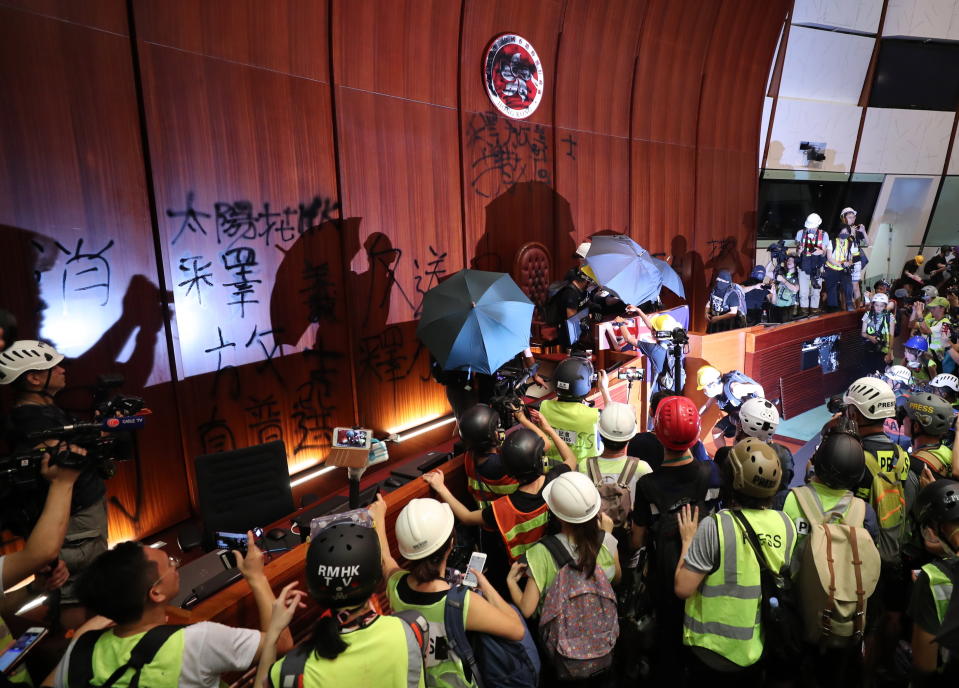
617,422
423,526
583,249
898,373
813,221
572,497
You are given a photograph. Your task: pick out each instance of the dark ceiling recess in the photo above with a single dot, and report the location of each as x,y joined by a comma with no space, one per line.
916,74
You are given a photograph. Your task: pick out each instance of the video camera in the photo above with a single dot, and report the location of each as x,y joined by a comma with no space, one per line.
777,251
509,388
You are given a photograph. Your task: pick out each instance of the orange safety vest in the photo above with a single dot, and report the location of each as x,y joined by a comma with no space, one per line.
520,530
486,490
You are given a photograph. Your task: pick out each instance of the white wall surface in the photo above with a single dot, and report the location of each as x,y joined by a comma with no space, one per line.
823,65
804,120
922,18
904,141
855,15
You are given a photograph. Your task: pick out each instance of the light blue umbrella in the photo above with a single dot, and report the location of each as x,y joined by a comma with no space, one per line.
622,265
475,320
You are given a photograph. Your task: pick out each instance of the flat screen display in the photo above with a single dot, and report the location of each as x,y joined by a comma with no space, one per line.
916,74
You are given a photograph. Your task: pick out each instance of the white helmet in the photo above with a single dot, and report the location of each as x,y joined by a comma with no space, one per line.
940,380
26,355
572,497
880,298
898,373
617,422
813,221
845,211
873,397
929,292
758,418
583,249
423,526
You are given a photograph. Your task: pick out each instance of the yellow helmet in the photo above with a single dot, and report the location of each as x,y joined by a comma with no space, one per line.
920,260
706,376
664,322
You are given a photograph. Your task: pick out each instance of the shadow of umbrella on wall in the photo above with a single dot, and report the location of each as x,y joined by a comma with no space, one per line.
475,320
622,265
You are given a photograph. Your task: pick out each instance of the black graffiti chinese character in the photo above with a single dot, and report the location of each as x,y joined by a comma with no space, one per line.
220,368
198,276
235,221
320,300
257,336
318,211
434,270
191,219
86,271
571,143
266,419
313,416
241,261
321,374
215,435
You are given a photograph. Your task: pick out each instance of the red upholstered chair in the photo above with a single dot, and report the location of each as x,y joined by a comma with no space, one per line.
531,271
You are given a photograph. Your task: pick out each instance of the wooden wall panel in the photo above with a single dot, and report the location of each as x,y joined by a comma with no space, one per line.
417,39
288,36
75,222
597,57
539,22
250,152
672,51
401,184
106,15
592,175
321,145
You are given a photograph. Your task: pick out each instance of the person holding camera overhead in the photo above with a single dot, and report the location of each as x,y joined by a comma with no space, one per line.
33,369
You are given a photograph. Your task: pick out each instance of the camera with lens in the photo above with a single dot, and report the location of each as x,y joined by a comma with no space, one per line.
777,252
631,374
510,386
836,404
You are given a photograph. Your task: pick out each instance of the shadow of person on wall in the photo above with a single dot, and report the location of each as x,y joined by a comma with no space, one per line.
34,255
527,211
689,266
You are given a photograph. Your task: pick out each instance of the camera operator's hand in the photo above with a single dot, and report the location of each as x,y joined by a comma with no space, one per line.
251,565
377,511
59,474
285,607
52,577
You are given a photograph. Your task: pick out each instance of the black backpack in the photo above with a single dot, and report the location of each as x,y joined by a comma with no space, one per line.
779,608
664,539
80,670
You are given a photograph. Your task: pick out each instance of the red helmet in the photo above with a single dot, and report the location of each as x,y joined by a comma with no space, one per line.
677,423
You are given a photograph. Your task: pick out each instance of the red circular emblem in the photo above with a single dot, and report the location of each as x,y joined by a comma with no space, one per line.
113,423
513,76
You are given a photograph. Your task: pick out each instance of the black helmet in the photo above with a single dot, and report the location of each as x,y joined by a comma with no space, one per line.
931,413
522,454
839,460
479,427
343,565
574,378
938,502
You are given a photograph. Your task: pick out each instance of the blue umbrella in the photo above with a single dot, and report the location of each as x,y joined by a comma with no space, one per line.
624,266
475,320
